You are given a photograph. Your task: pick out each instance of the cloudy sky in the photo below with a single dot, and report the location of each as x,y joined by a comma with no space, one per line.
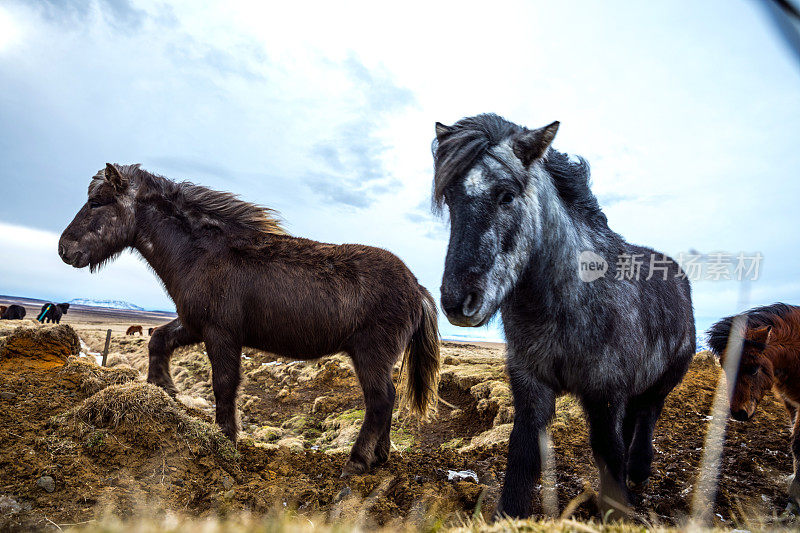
687,111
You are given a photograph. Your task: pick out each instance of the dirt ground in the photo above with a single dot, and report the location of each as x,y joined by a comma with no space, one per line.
78,441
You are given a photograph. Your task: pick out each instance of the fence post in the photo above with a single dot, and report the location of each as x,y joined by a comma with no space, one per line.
105,350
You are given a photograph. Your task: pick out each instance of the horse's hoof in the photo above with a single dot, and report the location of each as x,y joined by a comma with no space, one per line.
379,460
168,386
352,468
638,486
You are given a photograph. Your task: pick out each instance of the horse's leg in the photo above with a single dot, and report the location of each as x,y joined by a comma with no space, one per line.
383,447
605,436
534,406
629,423
163,342
791,410
372,444
794,488
640,452
225,356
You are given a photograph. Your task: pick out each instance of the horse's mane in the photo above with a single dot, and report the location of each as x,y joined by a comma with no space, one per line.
758,317
201,205
470,139
786,332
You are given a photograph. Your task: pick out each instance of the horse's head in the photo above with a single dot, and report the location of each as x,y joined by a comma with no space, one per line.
755,375
64,307
105,225
488,172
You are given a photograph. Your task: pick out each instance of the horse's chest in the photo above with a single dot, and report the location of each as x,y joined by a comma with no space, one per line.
553,365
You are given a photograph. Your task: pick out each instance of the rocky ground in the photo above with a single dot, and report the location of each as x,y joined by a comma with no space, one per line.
79,442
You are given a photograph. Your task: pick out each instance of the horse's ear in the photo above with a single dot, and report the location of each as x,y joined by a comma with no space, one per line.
115,178
533,144
442,130
760,334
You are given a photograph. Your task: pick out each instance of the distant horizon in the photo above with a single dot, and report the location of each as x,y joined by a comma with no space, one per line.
445,337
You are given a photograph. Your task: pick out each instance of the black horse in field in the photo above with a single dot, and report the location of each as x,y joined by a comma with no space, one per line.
52,312
525,234
13,312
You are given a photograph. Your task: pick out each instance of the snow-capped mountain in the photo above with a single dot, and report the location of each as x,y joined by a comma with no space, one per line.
111,304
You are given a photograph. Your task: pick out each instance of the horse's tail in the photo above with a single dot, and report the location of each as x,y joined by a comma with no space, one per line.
420,383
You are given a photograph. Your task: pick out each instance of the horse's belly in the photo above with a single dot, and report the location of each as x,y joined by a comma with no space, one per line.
295,343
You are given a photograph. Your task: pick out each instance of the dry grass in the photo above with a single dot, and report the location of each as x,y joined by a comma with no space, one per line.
281,522
92,378
146,410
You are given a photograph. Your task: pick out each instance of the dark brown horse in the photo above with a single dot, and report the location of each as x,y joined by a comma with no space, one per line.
13,312
770,361
134,329
237,279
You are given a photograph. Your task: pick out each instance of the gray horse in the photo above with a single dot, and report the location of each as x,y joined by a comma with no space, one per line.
584,312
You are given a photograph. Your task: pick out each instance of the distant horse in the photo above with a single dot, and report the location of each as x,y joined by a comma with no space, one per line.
13,312
523,222
134,329
237,279
52,312
770,361
3,309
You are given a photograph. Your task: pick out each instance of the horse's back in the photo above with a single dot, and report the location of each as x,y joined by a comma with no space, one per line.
302,298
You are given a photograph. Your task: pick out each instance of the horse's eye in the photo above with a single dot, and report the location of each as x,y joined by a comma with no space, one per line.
505,198
750,370
93,204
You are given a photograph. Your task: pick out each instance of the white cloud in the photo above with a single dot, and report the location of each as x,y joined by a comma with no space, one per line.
686,111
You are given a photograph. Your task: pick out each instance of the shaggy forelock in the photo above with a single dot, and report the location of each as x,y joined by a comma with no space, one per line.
471,138
463,146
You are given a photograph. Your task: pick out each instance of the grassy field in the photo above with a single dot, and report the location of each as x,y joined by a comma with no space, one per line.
120,454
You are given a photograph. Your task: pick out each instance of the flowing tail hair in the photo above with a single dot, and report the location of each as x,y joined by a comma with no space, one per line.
419,384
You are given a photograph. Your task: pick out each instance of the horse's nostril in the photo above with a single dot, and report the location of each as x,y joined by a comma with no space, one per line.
471,304
61,250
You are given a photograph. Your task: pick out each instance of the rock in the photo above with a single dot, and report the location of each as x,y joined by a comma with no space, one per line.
9,506
227,482
46,483
497,435
294,443
268,433
344,493
324,405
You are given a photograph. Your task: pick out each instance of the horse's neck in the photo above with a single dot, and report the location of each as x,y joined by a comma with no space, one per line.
167,246
550,286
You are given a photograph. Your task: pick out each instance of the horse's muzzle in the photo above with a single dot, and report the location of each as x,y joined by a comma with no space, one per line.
463,310
71,256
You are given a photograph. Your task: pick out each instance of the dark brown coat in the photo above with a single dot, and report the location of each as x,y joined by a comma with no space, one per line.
237,279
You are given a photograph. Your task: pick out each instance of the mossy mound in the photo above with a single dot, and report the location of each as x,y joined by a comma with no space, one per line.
41,344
